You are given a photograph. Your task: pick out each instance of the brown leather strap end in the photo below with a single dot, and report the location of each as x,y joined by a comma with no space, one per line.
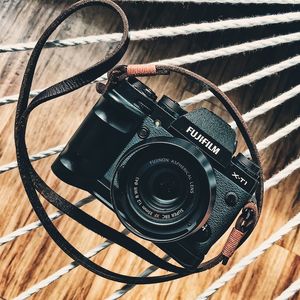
232,243
243,226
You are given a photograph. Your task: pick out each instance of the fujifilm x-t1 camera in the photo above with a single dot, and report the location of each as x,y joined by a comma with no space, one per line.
171,176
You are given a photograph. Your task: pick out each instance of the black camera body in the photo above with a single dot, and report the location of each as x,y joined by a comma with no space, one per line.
169,175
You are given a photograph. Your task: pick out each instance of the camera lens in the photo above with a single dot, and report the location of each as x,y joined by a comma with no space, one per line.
166,186
163,189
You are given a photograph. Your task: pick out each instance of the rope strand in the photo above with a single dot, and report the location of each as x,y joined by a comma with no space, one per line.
127,287
30,227
247,260
14,98
34,157
247,79
201,56
168,31
284,173
185,30
34,289
235,49
279,134
290,291
265,107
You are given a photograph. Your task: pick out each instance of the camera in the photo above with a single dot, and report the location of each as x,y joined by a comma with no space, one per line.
171,176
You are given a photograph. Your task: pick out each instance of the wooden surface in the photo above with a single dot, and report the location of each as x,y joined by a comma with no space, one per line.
35,256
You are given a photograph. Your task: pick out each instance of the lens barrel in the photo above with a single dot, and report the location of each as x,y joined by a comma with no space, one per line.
163,189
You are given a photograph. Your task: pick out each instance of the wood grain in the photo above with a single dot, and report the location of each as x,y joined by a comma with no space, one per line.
35,256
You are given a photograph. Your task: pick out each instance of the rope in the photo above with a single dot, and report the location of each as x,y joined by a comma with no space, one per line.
28,228
14,98
201,56
284,173
235,49
168,31
186,59
265,107
34,157
127,287
267,244
220,1
282,132
247,117
290,291
34,289
247,79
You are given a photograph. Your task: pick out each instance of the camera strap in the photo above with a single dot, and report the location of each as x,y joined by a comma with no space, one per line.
35,185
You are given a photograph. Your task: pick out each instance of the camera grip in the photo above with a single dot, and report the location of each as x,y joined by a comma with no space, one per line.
99,140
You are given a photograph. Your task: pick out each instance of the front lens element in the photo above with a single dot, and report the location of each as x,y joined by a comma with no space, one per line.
165,185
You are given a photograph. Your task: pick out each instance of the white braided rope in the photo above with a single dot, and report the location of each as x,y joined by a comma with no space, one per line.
220,1
265,107
282,132
247,117
247,79
14,98
30,227
168,31
235,49
34,157
267,244
290,291
127,287
34,289
201,56
276,136
284,173
182,60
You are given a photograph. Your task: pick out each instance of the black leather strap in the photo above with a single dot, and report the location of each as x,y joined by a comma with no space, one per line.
33,184
31,180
